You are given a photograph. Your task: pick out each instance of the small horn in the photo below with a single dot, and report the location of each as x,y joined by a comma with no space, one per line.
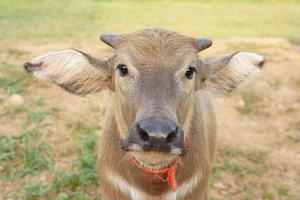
109,38
203,43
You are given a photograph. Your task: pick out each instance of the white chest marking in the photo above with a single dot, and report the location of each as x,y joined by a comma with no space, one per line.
184,189
125,187
135,194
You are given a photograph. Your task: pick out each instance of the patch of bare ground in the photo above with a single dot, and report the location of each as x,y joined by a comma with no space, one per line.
263,115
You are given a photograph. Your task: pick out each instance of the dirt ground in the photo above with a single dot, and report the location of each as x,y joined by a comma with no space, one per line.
258,140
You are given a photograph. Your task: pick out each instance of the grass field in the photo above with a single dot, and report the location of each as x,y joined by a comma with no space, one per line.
48,137
48,21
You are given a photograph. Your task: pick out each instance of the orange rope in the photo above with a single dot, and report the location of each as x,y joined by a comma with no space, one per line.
170,171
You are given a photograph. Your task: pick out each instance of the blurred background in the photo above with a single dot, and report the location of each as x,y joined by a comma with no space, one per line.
48,137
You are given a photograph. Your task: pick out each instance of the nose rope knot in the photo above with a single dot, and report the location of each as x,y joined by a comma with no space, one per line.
170,171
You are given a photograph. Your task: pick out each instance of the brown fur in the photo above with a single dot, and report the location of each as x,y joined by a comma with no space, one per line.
151,50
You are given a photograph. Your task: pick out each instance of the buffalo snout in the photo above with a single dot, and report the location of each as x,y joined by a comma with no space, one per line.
158,134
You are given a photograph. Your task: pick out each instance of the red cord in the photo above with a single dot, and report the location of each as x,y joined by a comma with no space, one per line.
170,171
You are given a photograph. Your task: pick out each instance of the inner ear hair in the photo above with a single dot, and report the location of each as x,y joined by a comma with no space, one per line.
96,62
224,73
72,69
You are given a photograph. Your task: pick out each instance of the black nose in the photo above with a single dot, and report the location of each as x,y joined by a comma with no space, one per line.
157,134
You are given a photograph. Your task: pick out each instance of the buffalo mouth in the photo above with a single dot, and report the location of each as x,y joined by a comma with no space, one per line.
152,160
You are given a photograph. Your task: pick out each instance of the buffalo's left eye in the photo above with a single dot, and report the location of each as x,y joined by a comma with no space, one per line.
190,72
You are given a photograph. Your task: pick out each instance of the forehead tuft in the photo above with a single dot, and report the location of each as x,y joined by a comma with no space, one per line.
156,43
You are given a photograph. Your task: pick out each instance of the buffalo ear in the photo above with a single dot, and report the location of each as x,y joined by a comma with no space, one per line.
224,73
73,70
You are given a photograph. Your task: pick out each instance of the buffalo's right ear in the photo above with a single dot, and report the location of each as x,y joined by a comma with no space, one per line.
73,70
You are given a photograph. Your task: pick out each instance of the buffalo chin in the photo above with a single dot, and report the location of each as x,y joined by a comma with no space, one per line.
153,160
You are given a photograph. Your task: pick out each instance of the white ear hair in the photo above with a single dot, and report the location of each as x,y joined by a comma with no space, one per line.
75,71
226,72
246,63
54,64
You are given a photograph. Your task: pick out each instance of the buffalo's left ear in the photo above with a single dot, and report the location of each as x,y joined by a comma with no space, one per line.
224,73
73,70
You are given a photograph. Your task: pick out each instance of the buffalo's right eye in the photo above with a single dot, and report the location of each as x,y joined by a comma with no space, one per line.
123,70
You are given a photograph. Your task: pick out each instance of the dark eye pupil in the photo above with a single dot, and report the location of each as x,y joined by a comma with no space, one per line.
190,72
122,69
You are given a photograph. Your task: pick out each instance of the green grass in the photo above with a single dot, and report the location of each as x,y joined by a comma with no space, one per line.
294,138
283,191
39,101
295,126
25,158
14,80
256,157
9,144
11,86
24,153
248,193
52,20
34,190
242,166
28,154
71,184
252,103
19,152
240,163
238,169
17,53
35,117
35,159
30,157
267,195
295,80
14,110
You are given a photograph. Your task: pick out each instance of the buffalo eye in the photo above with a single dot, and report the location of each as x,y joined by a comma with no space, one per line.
190,72
123,70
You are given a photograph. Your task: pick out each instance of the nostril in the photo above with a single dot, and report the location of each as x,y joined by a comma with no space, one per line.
144,135
172,136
